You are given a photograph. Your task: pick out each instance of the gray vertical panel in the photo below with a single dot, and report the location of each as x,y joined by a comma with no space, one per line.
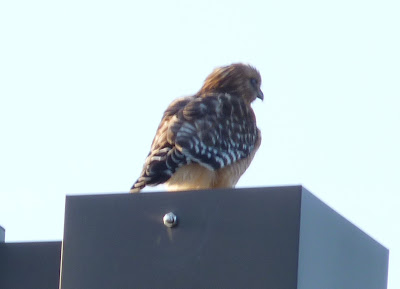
244,238
2,234
334,254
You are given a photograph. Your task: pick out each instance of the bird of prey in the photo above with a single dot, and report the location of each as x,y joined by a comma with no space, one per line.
209,139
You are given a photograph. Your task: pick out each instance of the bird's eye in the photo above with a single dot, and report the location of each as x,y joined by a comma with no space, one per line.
253,82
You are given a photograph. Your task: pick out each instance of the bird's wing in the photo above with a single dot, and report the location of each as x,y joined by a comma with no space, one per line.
213,131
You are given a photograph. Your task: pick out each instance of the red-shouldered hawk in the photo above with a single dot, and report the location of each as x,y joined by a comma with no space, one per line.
207,140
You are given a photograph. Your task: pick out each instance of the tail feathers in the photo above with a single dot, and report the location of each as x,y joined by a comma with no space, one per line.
138,186
151,177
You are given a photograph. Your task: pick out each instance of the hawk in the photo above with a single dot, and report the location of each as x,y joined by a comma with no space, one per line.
209,139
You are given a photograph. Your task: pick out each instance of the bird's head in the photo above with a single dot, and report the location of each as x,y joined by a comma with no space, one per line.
236,79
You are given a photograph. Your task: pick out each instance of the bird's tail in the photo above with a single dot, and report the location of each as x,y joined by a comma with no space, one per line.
138,186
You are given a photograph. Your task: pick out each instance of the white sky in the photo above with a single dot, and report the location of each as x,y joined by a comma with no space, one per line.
83,85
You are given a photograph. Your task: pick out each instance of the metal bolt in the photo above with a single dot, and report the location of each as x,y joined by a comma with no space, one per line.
170,220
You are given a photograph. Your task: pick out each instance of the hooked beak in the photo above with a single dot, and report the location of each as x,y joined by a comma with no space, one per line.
260,95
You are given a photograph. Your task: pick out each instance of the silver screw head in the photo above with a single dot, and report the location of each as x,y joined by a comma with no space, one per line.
170,220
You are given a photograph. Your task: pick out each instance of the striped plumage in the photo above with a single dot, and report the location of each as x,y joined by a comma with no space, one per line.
209,139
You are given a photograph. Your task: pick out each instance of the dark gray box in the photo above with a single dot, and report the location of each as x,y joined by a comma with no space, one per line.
278,238
30,265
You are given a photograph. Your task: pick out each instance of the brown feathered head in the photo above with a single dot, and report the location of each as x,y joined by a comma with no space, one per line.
236,79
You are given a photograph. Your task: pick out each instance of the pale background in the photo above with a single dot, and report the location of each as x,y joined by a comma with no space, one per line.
83,85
